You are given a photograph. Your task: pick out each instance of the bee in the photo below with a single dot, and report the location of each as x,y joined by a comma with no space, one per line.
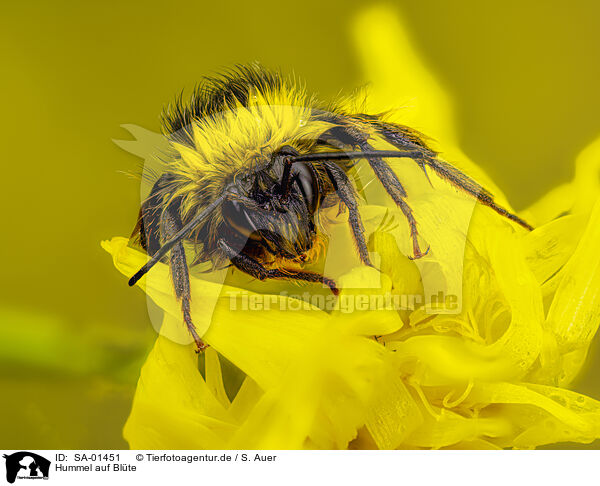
254,157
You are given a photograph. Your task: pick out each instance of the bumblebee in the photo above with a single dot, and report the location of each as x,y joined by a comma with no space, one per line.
254,157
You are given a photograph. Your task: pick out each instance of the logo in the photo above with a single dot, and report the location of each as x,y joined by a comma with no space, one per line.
26,465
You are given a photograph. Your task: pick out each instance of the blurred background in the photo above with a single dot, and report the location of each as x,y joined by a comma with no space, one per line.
523,76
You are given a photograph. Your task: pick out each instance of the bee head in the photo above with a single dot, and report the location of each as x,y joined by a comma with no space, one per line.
275,205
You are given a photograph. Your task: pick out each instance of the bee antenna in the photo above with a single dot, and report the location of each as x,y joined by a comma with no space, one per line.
182,233
414,154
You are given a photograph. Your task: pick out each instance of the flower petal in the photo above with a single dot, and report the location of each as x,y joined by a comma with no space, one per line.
574,315
394,414
539,414
549,247
187,416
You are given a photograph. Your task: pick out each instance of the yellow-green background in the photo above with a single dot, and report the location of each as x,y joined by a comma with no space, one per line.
523,75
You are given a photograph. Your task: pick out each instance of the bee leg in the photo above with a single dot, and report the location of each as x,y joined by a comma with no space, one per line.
403,138
252,267
345,191
464,183
171,224
353,136
147,229
394,188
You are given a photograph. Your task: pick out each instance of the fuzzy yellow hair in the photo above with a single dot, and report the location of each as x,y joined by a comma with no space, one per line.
240,140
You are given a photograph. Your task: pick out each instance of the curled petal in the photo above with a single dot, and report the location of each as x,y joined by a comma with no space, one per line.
574,315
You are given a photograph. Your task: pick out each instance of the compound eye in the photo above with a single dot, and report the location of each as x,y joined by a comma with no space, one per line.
305,178
237,216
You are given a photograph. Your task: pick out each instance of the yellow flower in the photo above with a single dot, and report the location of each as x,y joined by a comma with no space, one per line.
493,375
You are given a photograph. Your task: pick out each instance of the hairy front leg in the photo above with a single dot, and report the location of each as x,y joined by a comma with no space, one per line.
345,191
171,224
394,188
